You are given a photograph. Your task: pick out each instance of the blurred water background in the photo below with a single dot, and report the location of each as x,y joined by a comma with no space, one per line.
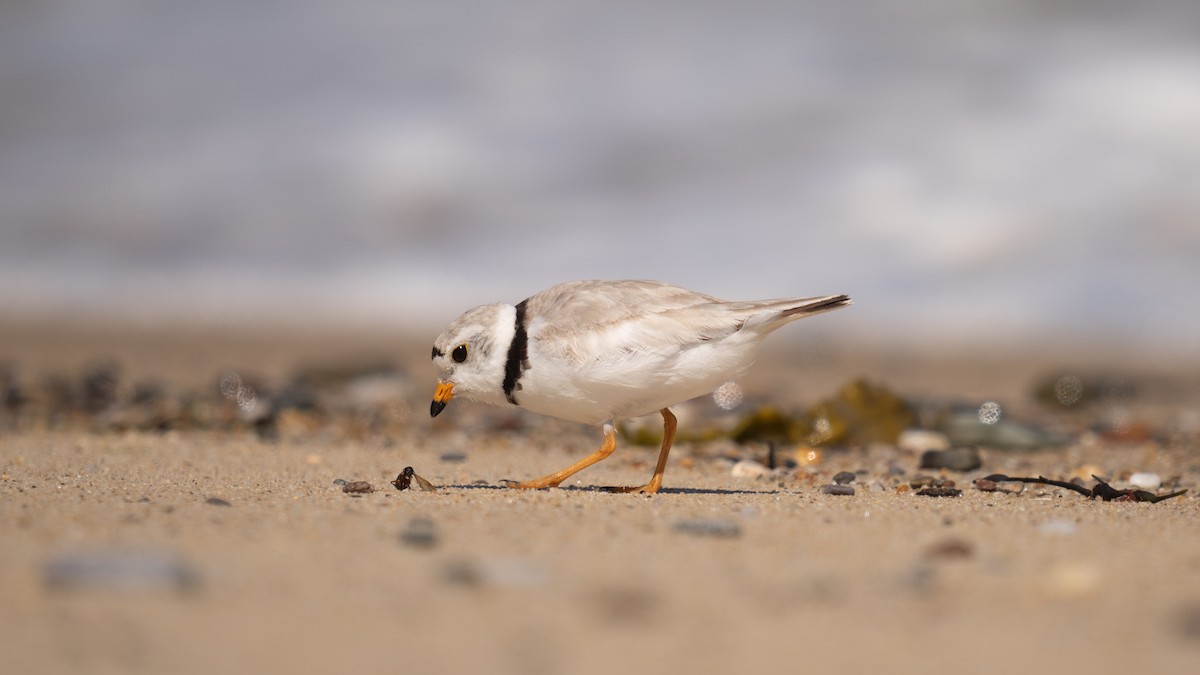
966,169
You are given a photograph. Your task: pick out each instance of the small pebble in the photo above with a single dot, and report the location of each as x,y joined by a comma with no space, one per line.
1145,480
358,487
965,458
920,440
1189,622
939,492
119,570
419,533
950,549
453,457
1057,527
339,481
216,501
748,468
708,527
839,490
985,485
844,477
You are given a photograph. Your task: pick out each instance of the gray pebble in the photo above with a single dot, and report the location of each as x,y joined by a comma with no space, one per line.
839,490
358,487
844,477
419,533
453,457
965,458
216,501
339,481
119,570
708,527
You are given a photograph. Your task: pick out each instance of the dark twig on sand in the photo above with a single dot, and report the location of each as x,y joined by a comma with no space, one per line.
1102,490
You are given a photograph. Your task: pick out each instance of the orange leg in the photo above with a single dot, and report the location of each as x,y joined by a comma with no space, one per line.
668,438
610,444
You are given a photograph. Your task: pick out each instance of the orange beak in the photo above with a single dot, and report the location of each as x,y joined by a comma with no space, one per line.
441,396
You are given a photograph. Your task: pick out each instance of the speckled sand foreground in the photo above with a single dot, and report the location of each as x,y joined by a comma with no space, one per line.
205,552
295,576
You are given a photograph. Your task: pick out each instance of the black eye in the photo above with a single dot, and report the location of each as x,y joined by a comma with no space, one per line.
459,354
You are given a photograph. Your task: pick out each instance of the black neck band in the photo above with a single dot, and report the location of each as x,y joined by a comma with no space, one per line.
518,356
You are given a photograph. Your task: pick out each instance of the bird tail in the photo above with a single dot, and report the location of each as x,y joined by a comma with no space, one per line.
808,306
774,313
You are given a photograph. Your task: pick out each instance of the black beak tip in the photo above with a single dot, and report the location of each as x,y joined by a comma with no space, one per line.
436,407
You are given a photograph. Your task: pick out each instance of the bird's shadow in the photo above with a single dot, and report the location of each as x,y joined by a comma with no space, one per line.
606,490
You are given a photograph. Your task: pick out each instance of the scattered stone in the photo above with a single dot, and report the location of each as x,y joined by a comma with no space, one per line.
838,490
1058,527
216,501
1145,480
120,571
1189,622
985,485
950,549
844,477
921,440
939,492
965,458
339,481
748,468
453,457
358,487
708,527
930,481
501,572
419,533
965,427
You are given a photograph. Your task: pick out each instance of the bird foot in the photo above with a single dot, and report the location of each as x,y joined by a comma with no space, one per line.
647,489
526,484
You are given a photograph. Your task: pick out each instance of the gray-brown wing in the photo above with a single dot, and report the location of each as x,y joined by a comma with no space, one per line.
596,319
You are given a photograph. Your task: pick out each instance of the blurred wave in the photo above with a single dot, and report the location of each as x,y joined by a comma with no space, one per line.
984,167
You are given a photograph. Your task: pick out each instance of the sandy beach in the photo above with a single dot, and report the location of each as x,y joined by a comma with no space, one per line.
218,549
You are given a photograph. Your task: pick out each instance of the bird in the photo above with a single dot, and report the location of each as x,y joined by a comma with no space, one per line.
603,351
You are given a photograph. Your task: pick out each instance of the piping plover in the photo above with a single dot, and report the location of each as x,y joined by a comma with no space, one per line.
603,351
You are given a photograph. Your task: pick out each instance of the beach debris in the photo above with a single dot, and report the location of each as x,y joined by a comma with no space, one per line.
987,427
1189,622
921,481
495,572
1145,480
718,528
837,490
950,549
965,458
844,477
217,501
939,492
453,457
120,571
1059,527
920,440
748,468
405,478
986,485
1102,490
358,487
861,412
419,533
